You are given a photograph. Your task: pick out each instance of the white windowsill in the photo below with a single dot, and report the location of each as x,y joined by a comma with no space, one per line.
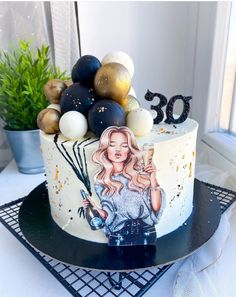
221,150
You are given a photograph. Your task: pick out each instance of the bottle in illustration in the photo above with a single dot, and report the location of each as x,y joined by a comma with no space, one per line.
92,216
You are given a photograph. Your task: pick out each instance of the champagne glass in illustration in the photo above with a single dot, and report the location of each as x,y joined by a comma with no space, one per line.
148,151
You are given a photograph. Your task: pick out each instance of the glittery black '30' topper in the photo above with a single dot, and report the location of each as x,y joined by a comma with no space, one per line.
149,96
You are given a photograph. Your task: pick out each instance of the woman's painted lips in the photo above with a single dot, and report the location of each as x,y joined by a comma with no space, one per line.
117,155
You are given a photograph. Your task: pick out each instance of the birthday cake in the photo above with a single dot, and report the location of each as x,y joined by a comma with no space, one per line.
114,174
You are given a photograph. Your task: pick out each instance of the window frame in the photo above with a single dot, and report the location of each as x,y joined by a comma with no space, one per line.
211,49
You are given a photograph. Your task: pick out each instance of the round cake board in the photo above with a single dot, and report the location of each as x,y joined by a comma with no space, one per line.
46,236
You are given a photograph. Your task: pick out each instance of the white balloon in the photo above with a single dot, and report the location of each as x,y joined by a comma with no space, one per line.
73,124
140,121
55,106
121,58
132,93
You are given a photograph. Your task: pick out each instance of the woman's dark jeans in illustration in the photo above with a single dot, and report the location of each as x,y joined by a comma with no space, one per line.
134,232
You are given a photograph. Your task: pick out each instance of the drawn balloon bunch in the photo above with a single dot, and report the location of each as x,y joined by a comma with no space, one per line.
98,96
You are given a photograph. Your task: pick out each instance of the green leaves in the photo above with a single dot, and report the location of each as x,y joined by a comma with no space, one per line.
23,74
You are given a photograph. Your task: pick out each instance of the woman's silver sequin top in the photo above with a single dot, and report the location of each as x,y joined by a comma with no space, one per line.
128,204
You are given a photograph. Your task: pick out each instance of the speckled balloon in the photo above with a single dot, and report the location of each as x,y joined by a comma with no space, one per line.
103,114
48,120
140,121
78,98
53,90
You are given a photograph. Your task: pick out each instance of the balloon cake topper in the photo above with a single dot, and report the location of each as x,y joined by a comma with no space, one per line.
100,95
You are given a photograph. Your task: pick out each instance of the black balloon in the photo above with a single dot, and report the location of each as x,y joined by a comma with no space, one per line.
85,69
105,113
77,97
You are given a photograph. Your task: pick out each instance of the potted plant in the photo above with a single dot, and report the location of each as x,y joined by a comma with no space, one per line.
23,74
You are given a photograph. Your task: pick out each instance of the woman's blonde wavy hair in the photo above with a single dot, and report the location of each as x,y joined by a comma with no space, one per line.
136,181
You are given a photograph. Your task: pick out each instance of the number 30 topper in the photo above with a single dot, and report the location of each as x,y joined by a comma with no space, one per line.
149,96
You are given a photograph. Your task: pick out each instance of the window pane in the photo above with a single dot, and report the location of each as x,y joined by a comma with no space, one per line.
232,125
227,117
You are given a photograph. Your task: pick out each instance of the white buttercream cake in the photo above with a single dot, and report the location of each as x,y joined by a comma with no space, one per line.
174,160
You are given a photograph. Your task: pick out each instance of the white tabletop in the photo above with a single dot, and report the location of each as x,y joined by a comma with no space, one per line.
21,274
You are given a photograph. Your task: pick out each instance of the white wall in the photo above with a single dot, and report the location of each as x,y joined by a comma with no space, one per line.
159,36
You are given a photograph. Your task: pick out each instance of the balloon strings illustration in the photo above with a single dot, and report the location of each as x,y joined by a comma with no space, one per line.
86,165
80,162
79,167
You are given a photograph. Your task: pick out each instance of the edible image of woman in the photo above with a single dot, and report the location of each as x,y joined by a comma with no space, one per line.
126,184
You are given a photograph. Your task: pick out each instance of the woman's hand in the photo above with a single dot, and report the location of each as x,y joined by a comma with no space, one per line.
88,201
150,169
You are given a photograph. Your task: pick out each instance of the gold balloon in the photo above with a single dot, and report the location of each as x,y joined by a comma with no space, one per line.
112,81
48,120
53,90
132,104
123,102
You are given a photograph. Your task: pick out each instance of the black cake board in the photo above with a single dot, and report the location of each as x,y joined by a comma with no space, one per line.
46,236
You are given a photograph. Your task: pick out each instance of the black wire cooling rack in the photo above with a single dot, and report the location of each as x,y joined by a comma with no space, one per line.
82,283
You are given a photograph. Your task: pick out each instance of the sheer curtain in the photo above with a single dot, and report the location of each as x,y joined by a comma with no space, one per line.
53,23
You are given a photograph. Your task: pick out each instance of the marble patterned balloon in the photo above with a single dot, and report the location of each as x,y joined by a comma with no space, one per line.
53,90
68,82
112,81
140,121
121,58
73,125
48,120
132,104
77,97
55,106
103,114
